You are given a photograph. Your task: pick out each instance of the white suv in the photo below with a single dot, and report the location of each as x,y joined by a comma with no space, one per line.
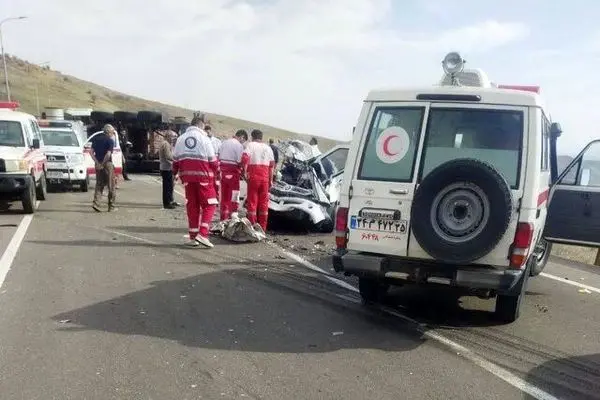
450,184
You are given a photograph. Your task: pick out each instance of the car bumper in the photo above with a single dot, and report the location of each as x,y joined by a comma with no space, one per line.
62,173
12,184
419,271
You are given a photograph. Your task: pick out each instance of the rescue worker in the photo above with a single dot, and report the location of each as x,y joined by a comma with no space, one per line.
124,142
258,163
230,163
216,142
195,162
102,148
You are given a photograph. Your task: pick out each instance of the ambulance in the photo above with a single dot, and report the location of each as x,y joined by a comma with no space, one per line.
22,161
457,184
117,156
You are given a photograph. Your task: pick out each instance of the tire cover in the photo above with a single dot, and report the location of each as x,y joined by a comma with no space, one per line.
458,194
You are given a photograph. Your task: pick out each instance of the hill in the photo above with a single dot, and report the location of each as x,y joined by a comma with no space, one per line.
35,86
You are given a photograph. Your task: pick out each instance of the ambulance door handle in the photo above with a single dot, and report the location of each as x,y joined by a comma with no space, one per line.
399,191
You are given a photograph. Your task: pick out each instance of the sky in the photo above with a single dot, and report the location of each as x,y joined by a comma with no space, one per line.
307,65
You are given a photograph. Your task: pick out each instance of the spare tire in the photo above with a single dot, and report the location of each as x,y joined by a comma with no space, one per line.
461,210
125,116
101,116
149,116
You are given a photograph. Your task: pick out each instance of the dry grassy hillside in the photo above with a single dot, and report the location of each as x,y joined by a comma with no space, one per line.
29,81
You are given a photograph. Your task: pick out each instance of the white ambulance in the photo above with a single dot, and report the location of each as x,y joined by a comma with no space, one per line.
450,184
22,162
117,156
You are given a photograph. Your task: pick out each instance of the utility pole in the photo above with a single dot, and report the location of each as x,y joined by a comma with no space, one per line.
4,56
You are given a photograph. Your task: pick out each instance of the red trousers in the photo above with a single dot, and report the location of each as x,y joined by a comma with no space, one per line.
201,204
257,201
230,193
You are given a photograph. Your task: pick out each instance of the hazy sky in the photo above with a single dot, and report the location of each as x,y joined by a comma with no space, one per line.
306,65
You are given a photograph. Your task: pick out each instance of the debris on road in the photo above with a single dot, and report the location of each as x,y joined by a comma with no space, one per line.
279,257
64,321
239,230
541,308
584,291
337,333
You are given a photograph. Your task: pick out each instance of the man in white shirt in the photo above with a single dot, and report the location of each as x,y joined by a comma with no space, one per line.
314,147
216,142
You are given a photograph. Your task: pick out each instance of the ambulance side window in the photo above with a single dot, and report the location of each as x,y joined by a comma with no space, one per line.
545,125
36,130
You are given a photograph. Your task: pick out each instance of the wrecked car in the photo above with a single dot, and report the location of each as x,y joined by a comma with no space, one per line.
307,189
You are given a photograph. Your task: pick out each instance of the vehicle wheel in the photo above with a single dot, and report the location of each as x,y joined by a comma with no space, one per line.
42,187
101,116
328,224
28,197
149,116
125,116
508,306
540,256
461,210
372,290
85,185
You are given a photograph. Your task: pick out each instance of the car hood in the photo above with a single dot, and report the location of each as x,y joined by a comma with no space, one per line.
12,153
63,149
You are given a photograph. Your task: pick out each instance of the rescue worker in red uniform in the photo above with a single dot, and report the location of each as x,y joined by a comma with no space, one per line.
195,162
258,163
230,163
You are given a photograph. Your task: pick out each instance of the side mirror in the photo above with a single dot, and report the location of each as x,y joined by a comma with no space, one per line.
555,130
36,143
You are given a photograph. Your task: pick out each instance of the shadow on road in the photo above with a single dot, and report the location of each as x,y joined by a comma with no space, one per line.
244,312
569,378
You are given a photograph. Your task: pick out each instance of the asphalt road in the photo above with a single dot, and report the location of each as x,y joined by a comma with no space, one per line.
111,306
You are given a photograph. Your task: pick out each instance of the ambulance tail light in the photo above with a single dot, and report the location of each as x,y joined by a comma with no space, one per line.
521,245
533,89
341,226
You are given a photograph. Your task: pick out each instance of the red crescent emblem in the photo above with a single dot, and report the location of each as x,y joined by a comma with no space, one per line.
386,144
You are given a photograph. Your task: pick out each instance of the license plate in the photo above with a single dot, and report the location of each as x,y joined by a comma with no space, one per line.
54,174
57,165
378,225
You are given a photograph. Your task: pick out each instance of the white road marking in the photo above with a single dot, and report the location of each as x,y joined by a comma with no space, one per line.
462,351
570,282
128,236
13,246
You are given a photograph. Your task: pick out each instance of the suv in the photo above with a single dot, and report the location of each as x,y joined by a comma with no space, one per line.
63,145
451,184
22,162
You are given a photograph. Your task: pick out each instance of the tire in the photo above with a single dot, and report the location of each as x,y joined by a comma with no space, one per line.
85,185
328,224
371,290
149,116
125,116
467,195
41,189
28,197
508,306
540,256
101,116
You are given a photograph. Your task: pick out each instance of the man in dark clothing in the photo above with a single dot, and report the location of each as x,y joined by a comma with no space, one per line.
275,151
102,148
125,150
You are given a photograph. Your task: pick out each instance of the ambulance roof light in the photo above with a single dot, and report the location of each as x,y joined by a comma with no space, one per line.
453,63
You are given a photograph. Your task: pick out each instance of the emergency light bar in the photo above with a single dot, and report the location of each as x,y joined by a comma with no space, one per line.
533,89
11,105
54,124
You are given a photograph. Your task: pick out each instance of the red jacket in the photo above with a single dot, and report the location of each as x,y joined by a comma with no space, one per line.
258,160
194,158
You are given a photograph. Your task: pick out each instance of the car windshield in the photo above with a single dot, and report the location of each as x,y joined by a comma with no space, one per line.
490,135
11,134
59,138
